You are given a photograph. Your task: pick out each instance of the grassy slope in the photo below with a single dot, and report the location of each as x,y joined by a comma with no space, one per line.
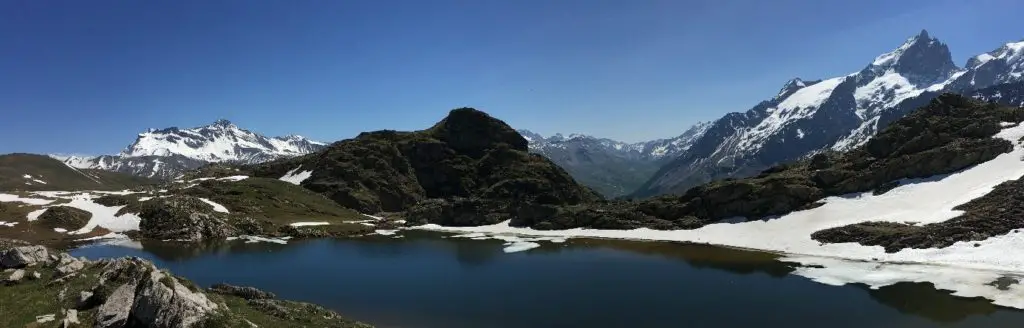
271,199
59,176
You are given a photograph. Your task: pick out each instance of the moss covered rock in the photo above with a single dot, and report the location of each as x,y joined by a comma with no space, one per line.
65,217
467,155
183,218
114,200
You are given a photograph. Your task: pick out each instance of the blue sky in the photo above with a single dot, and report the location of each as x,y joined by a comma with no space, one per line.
87,76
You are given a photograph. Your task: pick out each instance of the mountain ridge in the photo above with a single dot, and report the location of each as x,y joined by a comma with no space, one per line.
611,167
835,114
166,153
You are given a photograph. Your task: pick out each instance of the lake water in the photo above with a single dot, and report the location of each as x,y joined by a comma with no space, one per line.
423,280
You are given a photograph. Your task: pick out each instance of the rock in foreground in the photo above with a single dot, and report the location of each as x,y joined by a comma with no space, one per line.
132,292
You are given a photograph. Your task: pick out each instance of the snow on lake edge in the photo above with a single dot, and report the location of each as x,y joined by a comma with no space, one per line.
923,200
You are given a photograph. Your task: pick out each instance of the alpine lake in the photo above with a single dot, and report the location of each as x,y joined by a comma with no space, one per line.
421,279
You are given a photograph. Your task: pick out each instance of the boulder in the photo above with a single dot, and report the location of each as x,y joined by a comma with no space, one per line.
67,264
148,297
15,277
114,311
19,257
70,319
162,302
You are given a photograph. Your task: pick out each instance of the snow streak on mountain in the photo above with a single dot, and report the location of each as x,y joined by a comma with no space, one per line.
166,153
839,113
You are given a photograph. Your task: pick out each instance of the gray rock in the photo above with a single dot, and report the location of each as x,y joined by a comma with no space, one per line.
68,264
15,277
35,275
248,293
70,319
115,310
84,299
23,256
46,318
161,306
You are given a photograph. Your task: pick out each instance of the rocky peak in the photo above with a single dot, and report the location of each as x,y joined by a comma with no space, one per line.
922,59
473,132
223,123
531,137
792,86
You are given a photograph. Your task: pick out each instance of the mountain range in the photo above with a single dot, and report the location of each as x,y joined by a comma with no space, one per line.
166,153
805,117
612,168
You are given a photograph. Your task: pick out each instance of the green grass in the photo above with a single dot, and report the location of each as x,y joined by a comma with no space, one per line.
58,176
304,315
272,200
21,303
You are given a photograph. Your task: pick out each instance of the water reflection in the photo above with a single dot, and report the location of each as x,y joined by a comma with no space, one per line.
387,277
922,299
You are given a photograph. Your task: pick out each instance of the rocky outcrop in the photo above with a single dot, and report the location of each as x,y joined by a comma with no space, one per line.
132,292
19,257
182,218
248,293
65,217
468,155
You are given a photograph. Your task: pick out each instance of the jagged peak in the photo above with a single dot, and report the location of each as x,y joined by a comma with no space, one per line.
892,57
922,58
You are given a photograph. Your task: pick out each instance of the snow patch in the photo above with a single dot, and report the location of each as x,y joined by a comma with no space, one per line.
513,243
30,201
921,200
295,177
257,239
102,216
800,105
386,232
304,224
216,207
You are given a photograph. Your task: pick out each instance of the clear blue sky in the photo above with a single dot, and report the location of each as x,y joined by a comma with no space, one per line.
87,76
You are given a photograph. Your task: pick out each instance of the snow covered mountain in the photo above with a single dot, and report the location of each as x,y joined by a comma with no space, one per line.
167,152
839,113
611,167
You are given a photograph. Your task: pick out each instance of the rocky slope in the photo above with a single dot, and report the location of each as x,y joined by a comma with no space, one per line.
840,113
951,133
467,160
191,210
612,168
166,153
20,172
43,288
